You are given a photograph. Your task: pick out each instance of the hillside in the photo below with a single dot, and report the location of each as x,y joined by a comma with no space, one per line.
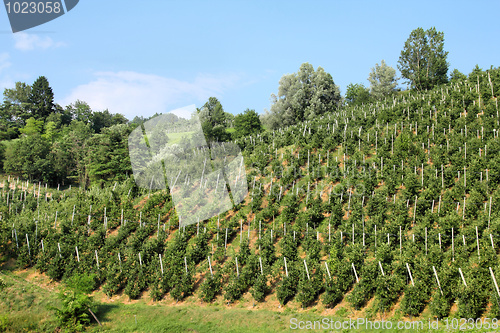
389,209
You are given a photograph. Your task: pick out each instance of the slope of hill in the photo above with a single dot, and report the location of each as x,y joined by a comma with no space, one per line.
391,207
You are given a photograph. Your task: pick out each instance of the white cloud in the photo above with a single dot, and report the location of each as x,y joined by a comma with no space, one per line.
5,80
133,94
28,42
185,112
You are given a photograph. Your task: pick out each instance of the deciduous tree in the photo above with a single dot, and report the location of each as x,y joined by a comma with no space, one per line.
423,60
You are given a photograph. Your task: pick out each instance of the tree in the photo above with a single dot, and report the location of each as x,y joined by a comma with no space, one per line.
423,61
303,95
28,157
108,154
357,94
102,119
41,99
457,76
80,111
247,123
16,101
213,120
33,126
383,80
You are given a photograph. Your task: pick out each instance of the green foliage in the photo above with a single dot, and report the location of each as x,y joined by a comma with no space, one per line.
74,312
382,80
439,305
210,287
286,289
84,283
415,299
32,126
41,99
357,94
423,59
247,123
302,95
29,158
260,288
213,121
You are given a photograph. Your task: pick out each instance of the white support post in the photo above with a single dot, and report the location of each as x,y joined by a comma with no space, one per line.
355,273
286,268
437,279
328,270
381,269
409,273
210,265
307,270
477,241
494,281
161,263
462,275
237,268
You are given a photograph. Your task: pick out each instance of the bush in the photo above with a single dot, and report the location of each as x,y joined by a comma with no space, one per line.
286,289
333,295
74,314
440,306
471,303
414,300
260,288
210,287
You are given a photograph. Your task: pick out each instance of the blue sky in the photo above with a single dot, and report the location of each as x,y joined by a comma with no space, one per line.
138,58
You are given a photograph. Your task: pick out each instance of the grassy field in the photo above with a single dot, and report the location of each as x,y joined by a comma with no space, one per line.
27,298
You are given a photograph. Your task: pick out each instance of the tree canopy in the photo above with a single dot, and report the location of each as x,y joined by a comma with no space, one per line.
213,120
423,59
357,94
247,123
303,95
383,80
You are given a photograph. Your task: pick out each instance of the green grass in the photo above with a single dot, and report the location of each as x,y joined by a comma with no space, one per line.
24,306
